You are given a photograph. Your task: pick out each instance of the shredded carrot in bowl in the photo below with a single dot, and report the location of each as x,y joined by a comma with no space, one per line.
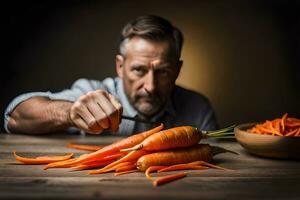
284,126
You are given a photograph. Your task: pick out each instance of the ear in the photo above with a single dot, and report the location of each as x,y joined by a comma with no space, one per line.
119,65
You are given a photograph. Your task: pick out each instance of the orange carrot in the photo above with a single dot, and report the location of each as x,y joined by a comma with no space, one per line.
132,156
197,152
41,159
113,156
178,137
183,136
117,146
152,169
92,165
182,167
167,179
64,163
283,120
126,168
284,126
85,147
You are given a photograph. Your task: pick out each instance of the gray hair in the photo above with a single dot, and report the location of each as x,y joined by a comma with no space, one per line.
153,28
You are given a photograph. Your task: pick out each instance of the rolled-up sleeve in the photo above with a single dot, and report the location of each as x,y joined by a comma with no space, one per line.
79,88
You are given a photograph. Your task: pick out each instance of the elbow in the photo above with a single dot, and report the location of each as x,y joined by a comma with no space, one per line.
12,124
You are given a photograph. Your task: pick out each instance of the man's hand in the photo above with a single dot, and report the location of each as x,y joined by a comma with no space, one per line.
96,111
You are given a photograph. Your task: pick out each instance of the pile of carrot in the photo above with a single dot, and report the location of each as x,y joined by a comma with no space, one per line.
153,150
284,126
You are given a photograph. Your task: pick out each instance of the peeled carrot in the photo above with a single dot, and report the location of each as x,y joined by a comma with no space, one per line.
126,168
41,159
85,147
132,156
117,146
91,165
197,152
183,136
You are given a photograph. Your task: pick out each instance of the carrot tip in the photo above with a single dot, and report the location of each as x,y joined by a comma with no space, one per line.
136,147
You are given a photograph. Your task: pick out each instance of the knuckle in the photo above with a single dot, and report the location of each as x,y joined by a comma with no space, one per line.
90,94
101,92
83,99
76,106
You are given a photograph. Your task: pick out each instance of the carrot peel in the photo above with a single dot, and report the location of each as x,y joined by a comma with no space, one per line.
167,179
41,159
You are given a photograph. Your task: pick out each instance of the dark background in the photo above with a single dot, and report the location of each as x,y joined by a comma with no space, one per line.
243,55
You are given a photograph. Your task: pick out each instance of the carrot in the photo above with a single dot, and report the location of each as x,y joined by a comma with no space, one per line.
117,146
41,159
132,156
167,179
183,136
64,163
283,120
92,165
197,152
284,126
182,167
113,157
85,147
126,168
152,169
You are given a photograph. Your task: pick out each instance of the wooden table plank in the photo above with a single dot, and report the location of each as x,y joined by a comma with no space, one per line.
252,178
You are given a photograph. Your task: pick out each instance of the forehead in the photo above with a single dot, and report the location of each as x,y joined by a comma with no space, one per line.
142,50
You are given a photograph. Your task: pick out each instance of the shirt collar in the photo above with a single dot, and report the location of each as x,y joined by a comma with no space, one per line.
130,111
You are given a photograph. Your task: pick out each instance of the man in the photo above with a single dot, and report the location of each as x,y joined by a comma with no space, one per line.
147,67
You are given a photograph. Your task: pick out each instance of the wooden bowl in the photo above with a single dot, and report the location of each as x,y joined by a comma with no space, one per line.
267,145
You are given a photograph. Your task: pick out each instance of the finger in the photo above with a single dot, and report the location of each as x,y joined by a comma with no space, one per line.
119,108
110,111
80,123
87,117
98,114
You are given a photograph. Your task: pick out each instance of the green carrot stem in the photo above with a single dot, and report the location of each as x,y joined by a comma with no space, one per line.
220,134
230,128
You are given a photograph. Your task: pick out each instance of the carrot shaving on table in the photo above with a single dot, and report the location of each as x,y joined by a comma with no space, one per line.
86,147
284,126
41,159
146,150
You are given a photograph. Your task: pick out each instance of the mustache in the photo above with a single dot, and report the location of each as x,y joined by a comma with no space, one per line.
144,94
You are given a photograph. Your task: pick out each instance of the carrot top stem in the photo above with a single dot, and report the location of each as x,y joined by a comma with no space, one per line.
217,150
223,130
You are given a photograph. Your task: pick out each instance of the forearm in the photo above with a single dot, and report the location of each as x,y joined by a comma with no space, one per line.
40,115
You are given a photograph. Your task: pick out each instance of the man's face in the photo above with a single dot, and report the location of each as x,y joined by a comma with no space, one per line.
148,71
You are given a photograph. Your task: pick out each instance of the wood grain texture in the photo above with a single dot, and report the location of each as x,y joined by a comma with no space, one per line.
252,178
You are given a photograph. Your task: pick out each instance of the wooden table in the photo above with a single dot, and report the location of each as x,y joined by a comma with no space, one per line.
253,177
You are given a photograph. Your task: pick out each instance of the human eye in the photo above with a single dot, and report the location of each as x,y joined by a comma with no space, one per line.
139,70
164,72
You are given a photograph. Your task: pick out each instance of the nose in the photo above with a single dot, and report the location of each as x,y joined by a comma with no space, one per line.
149,84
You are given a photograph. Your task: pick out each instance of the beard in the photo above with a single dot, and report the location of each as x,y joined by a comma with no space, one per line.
148,104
